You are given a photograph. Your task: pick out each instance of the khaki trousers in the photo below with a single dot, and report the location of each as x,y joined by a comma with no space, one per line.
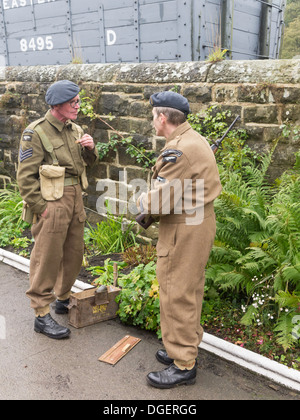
183,252
57,255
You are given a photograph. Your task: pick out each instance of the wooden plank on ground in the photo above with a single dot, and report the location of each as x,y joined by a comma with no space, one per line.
119,350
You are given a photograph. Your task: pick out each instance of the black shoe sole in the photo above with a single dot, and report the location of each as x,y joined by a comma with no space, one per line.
166,386
56,337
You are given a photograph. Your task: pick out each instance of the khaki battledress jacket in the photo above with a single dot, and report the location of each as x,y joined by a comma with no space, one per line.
32,155
185,184
57,255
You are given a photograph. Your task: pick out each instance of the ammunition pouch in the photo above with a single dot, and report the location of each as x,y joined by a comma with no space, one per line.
52,181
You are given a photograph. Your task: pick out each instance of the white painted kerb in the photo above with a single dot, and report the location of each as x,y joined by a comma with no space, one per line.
22,264
252,361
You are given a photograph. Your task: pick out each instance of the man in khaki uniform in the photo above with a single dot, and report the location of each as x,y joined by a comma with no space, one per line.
55,144
184,186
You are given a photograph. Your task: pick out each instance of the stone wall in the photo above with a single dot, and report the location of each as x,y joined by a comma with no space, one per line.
266,94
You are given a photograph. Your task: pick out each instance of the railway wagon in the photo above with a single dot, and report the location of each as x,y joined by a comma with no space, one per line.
44,32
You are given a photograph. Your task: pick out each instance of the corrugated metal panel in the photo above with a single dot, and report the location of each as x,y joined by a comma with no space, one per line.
57,31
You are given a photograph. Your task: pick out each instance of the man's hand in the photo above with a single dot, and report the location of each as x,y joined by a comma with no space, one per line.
87,141
44,214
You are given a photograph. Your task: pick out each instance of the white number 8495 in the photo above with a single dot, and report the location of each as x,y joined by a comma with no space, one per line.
38,43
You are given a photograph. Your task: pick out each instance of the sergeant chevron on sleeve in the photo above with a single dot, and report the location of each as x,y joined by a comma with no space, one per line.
53,156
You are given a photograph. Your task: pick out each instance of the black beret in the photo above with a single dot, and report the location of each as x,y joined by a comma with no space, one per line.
61,92
170,100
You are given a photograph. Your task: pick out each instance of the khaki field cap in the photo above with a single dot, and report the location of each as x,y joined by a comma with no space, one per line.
61,92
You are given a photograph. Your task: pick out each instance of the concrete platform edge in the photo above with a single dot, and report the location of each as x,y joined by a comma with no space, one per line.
254,362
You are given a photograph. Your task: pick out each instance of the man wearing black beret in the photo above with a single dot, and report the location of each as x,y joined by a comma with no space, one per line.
54,153
185,184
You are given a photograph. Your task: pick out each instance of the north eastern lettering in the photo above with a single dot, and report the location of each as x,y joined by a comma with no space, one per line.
13,4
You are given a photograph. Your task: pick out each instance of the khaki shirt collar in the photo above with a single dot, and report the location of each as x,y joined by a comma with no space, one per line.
59,125
180,130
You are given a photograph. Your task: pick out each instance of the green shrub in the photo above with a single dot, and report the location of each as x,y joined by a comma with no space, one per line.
234,153
140,254
112,235
106,273
139,298
11,223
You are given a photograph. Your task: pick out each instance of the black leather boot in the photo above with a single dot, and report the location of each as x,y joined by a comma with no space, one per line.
162,357
172,376
61,306
48,326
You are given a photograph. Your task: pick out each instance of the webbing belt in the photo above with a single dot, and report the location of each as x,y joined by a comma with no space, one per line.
74,180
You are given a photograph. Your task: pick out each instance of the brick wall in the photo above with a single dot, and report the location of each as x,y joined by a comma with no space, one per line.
266,94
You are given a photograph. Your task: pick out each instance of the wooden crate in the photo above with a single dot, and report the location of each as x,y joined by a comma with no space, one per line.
88,307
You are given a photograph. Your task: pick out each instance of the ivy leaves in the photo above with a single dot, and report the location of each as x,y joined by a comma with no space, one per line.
145,158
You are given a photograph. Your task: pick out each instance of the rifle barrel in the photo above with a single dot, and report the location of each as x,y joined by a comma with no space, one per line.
218,143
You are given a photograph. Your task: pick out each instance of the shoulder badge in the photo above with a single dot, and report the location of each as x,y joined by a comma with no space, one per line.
26,138
171,155
28,131
27,134
170,159
170,152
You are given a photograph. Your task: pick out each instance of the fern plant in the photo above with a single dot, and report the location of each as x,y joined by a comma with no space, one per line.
241,222
257,251
288,326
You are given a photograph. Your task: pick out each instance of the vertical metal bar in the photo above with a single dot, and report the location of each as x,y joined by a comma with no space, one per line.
136,19
202,36
33,16
227,13
184,21
281,28
278,33
102,34
4,36
265,28
69,29
196,22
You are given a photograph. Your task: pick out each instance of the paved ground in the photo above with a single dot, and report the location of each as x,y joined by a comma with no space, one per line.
35,367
